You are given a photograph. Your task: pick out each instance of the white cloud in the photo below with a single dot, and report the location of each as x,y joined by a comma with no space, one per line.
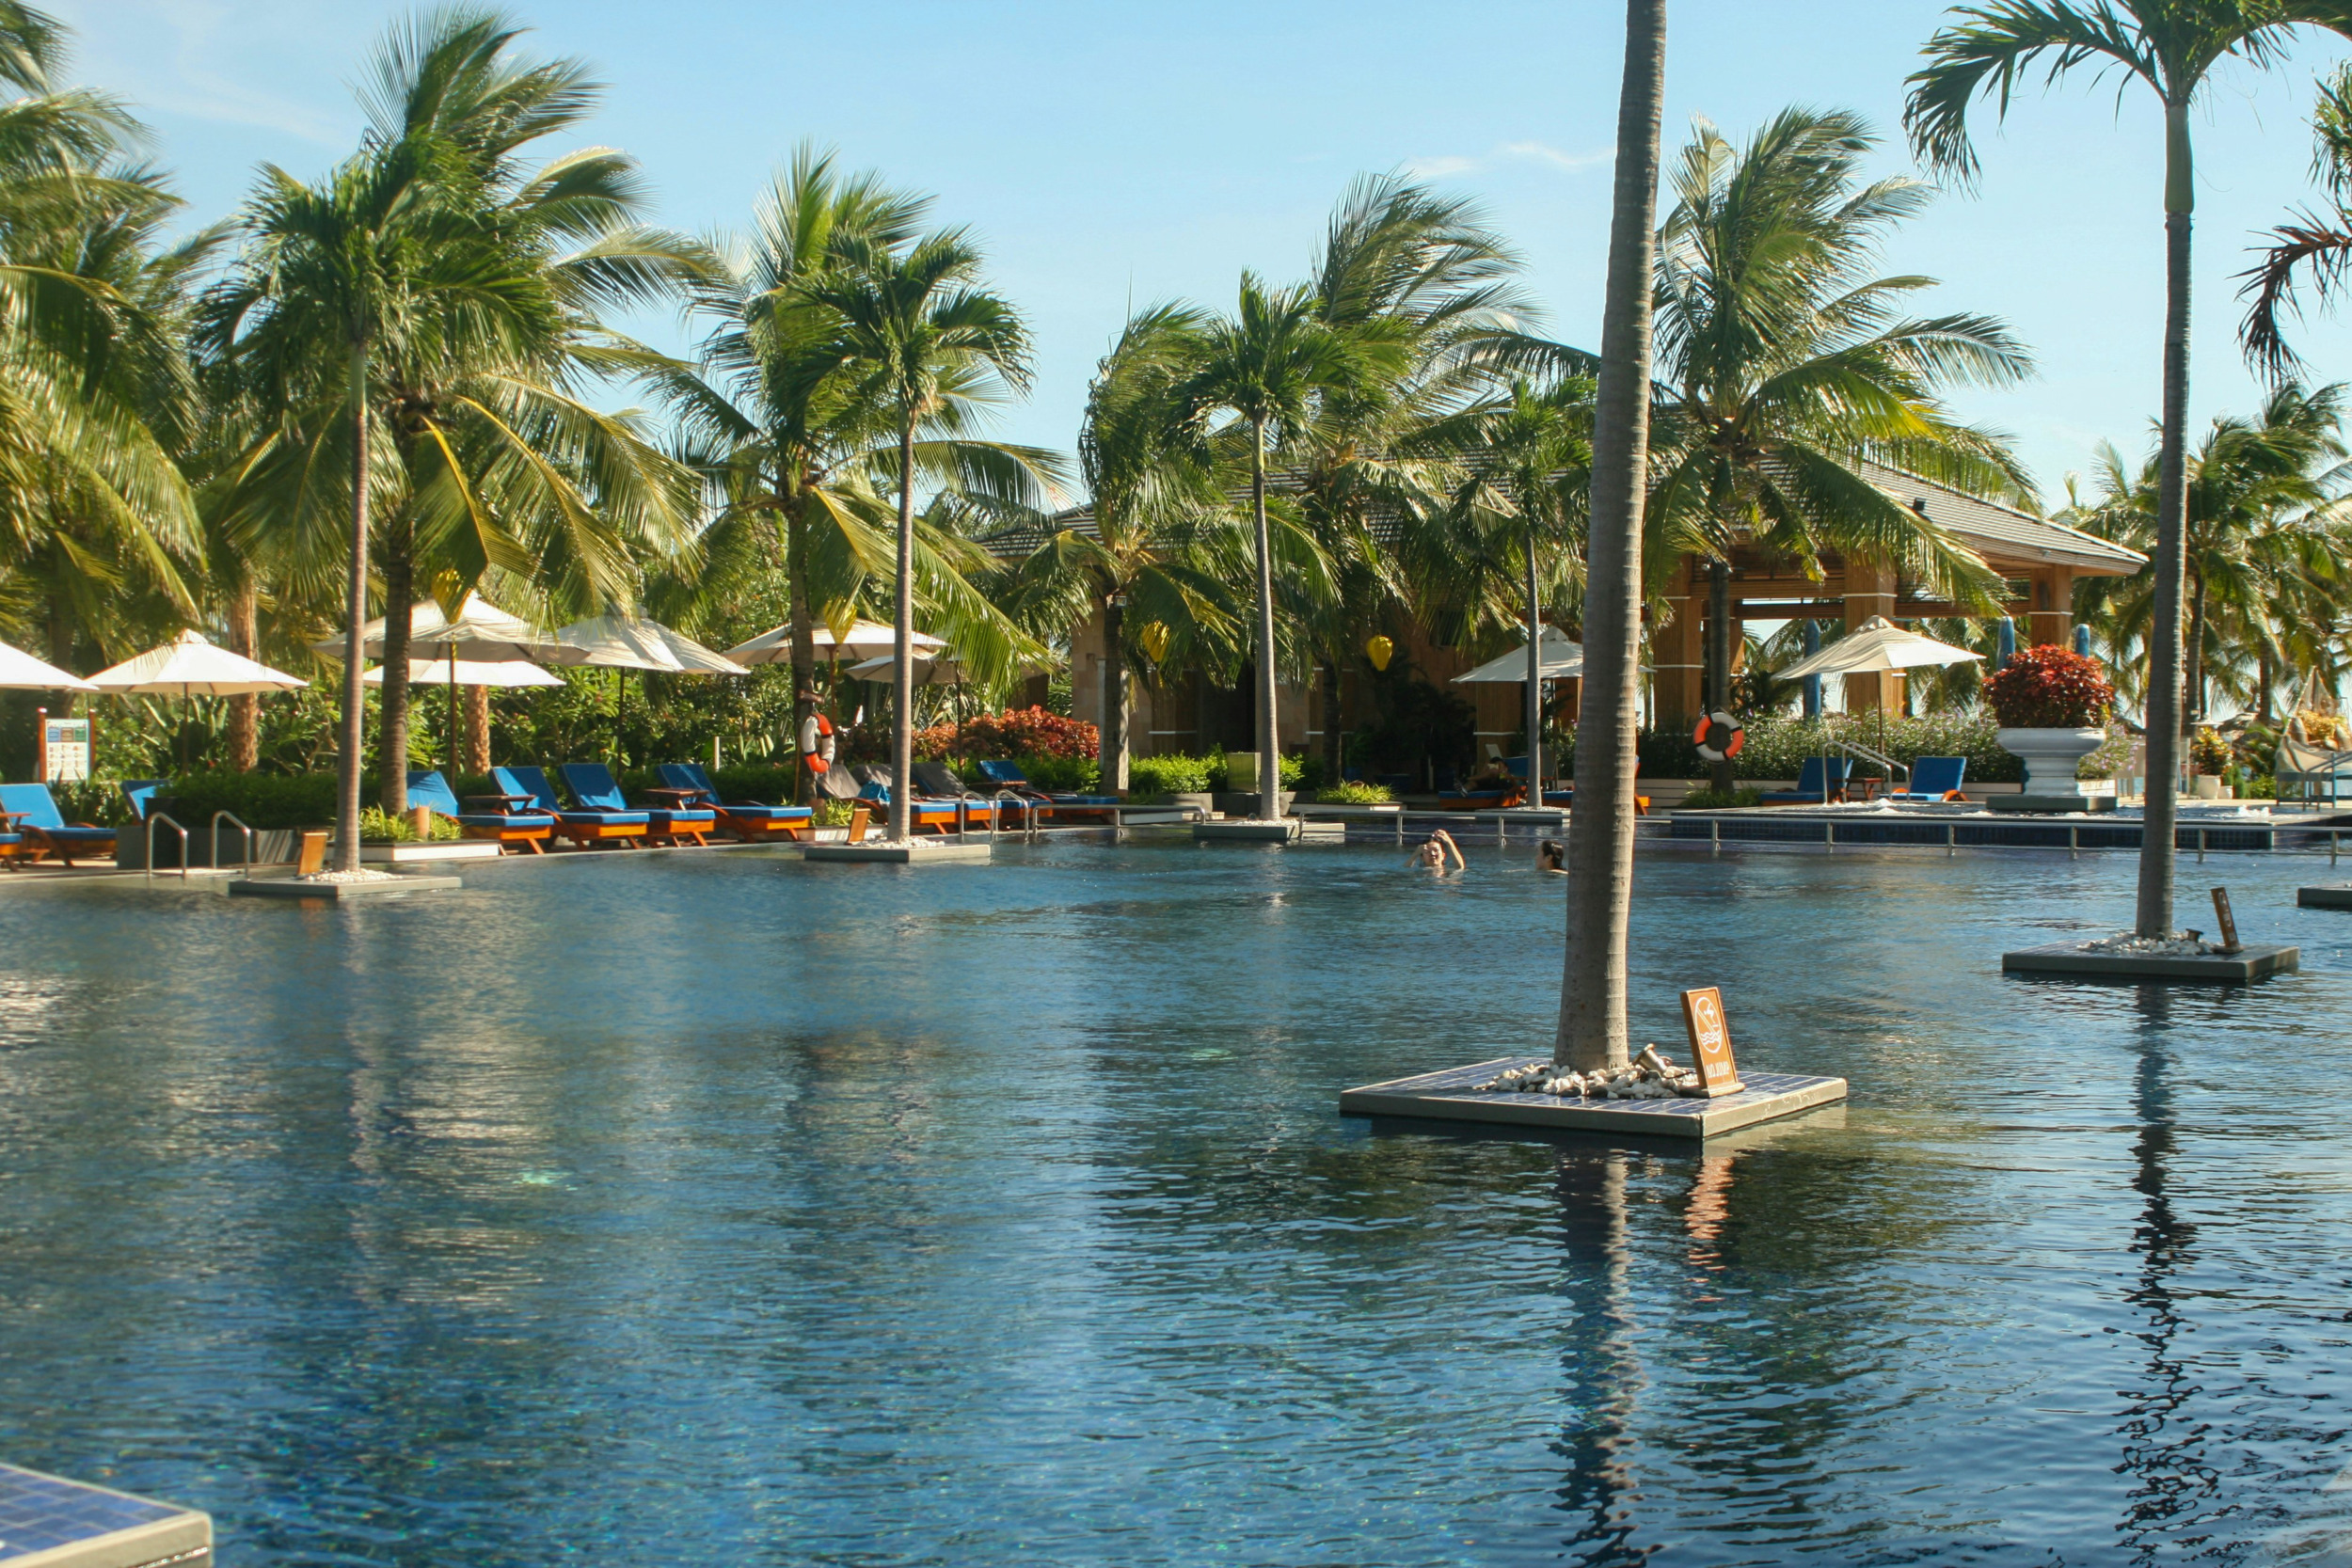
1444,164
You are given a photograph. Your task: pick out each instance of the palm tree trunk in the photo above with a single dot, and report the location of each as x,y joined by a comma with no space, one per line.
391,739
474,761
2153,916
1269,737
244,729
1534,679
355,622
1113,747
902,665
2266,679
1718,658
2194,685
804,629
1592,1030
1332,761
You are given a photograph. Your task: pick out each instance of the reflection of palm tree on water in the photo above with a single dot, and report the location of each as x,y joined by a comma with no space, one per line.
1604,1373
2164,1450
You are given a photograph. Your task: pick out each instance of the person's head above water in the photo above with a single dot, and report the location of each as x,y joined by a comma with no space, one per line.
1551,857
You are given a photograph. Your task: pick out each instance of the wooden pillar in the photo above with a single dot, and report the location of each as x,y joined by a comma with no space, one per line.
2052,616
1870,590
1677,679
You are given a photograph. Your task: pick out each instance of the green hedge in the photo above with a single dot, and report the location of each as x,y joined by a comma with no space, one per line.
261,799
1777,747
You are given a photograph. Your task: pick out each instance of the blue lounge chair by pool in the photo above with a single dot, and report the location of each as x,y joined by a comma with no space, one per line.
939,815
529,787
591,785
1810,783
1933,779
749,821
1008,775
30,812
140,793
426,787
1517,769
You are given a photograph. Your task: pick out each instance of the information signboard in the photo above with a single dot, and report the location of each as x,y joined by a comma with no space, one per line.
2229,921
64,750
1710,1042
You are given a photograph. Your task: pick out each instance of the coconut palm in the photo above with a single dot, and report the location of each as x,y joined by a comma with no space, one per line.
921,336
2171,47
2320,241
1593,1026
1784,358
1271,366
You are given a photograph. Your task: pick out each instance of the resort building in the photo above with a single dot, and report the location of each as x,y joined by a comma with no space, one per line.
2038,560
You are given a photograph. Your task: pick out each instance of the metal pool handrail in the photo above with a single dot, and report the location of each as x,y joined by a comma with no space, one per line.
153,817
996,812
243,827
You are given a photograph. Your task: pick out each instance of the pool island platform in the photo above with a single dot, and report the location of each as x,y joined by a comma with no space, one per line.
2074,961
1451,1095
298,889
929,852
50,1522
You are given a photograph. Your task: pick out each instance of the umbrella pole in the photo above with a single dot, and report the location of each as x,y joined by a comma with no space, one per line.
452,716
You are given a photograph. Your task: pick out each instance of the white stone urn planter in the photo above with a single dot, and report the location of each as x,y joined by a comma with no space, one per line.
2051,756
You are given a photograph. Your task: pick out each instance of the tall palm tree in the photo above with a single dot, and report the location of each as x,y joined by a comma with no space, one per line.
1592,1026
2171,47
1270,366
1784,359
922,336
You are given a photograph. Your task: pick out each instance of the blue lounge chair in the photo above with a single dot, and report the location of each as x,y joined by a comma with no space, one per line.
141,793
939,815
591,785
1517,766
1933,779
748,820
1008,775
529,787
1820,781
426,787
30,813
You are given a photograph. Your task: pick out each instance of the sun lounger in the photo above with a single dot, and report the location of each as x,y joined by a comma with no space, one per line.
1933,779
1008,775
528,788
1568,797
30,812
749,821
938,781
592,785
139,794
426,787
1517,766
1812,789
941,816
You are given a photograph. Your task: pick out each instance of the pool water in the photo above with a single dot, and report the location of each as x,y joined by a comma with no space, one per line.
717,1209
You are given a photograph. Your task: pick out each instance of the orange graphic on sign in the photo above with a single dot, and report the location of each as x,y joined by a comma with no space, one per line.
1710,1042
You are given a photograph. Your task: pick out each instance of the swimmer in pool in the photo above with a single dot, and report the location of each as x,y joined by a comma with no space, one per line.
1551,857
1432,854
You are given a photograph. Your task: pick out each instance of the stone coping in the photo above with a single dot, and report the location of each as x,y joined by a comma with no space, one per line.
50,1522
1449,1096
929,852
2250,962
292,888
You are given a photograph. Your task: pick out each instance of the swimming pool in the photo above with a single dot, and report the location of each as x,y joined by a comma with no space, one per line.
719,1209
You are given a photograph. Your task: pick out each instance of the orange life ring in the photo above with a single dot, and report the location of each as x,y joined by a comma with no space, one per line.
816,743
1719,736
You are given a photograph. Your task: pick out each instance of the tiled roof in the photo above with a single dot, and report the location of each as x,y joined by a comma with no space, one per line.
2002,534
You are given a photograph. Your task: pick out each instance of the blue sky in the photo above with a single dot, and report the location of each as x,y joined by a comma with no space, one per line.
1114,152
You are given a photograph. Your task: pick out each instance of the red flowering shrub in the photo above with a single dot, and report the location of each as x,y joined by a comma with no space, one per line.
1014,733
2049,687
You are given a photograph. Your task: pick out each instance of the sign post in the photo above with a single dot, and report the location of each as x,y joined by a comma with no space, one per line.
1710,1042
2229,923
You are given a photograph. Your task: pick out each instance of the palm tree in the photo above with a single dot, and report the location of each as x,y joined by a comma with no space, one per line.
1270,366
1593,1026
790,432
2170,46
1785,359
2322,241
921,334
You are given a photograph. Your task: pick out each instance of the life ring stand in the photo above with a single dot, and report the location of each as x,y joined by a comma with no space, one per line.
1719,736
818,745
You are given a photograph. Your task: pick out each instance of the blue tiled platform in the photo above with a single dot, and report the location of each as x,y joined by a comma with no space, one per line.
49,1522
1450,1096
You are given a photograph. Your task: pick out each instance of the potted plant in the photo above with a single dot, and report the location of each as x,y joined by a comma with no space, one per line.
2053,707
2209,760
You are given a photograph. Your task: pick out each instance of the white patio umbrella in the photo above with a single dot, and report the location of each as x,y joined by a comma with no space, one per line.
21,672
865,640
941,669
192,667
471,672
1561,659
1877,645
626,642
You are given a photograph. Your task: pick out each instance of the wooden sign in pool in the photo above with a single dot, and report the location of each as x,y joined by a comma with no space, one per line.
1710,1042
2229,921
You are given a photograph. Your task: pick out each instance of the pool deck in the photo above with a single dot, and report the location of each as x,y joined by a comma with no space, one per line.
1450,1096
